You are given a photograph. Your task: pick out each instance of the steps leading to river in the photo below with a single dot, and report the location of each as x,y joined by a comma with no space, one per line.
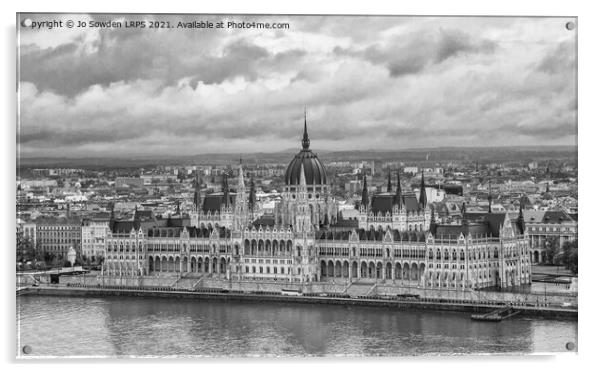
359,289
185,283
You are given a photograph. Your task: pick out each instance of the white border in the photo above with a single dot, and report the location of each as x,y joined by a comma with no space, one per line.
589,141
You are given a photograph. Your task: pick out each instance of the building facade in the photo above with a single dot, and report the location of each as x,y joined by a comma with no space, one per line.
548,227
57,235
94,234
395,240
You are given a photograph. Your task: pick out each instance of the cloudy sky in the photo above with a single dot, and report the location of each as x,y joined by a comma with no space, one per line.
367,82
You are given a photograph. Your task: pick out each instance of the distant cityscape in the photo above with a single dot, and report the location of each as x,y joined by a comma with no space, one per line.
69,211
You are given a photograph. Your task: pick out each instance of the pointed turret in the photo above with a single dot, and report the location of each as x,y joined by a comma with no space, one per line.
520,221
136,218
464,220
433,223
422,200
112,217
547,187
252,194
365,198
389,187
226,191
197,192
397,199
305,140
489,197
241,180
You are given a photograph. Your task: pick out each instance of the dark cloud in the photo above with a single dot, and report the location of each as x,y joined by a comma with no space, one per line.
561,59
406,55
369,82
453,42
130,54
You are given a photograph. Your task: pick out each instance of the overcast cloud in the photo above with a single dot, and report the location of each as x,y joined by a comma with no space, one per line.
368,83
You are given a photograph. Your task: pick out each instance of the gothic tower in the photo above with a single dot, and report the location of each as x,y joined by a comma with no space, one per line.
240,207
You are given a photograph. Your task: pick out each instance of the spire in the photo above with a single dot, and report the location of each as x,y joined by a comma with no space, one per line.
464,219
197,191
305,141
463,210
397,200
226,191
521,219
422,198
365,200
389,188
433,223
489,197
112,217
241,180
252,193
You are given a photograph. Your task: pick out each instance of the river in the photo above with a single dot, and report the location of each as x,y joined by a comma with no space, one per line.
130,326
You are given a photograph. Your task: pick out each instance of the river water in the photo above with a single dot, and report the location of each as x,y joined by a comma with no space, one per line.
129,326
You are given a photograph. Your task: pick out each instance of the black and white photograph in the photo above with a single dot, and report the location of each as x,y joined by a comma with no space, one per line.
324,186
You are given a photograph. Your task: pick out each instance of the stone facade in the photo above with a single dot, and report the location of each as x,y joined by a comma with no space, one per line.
400,247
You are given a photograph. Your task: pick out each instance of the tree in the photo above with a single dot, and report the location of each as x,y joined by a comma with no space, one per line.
570,255
552,250
25,250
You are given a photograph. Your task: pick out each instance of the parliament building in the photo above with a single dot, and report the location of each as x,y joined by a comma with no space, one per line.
395,240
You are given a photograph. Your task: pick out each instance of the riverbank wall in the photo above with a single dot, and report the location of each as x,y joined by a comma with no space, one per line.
423,304
356,289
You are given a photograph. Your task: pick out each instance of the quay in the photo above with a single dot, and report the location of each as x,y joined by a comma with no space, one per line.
496,315
435,304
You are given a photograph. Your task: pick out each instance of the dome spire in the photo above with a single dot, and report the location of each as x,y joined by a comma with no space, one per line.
305,141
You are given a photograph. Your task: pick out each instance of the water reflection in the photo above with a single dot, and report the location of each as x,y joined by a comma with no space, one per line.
137,326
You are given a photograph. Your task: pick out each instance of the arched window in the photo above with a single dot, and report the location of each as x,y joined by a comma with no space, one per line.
438,254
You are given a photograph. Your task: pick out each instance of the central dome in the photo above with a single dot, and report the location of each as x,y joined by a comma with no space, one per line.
315,174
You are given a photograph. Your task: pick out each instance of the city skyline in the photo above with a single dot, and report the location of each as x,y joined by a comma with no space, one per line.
368,82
